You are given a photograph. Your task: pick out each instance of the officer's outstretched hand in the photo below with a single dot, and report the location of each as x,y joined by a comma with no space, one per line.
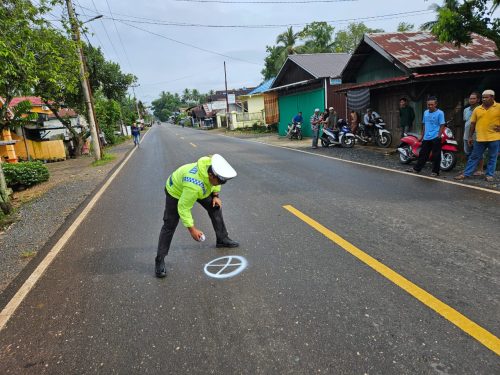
195,233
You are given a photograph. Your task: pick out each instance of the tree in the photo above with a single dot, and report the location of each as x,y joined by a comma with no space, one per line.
347,40
272,62
166,105
404,27
457,20
317,37
108,112
19,22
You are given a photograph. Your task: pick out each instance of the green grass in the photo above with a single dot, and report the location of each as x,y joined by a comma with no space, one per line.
6,220
105,159
28,254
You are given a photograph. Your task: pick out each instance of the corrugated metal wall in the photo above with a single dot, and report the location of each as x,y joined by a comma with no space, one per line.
305,102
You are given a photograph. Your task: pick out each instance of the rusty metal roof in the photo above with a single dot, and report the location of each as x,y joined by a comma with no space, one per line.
421,49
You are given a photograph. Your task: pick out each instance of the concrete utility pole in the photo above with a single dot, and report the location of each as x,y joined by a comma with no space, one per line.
227,99
83,79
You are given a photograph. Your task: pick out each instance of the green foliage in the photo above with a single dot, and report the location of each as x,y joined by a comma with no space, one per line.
108,112
25,174
404,27
166,105
347,40
458,19
317,37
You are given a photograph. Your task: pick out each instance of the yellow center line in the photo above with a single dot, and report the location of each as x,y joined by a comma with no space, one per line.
192,144
465,324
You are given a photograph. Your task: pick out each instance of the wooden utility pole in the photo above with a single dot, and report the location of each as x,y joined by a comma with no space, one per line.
83,79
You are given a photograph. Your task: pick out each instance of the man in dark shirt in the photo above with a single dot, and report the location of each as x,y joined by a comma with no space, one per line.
406,116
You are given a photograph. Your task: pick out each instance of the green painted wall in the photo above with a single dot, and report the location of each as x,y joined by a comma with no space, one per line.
306,102
376,67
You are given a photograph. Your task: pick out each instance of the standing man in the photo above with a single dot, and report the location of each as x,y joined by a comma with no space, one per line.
136,134
331,121
406,116
485,121
315,124
196,182
474,101
433,125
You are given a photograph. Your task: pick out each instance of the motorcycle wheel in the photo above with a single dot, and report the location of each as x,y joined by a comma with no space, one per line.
403,159
448,160
323,143
299,136
348,142
384,140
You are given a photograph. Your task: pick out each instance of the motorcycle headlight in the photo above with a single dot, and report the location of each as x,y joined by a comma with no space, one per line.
448,132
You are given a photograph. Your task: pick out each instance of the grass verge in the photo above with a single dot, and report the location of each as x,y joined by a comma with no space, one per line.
106,158
28,254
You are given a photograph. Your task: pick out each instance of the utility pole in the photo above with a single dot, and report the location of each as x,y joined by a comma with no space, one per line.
227,99
83,79
136,102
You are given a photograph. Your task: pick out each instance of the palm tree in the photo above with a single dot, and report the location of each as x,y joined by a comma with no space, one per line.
450,4
288,40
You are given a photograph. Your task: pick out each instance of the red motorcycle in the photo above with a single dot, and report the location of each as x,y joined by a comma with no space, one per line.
410,146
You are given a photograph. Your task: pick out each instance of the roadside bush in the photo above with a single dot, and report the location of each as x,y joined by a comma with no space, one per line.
25,174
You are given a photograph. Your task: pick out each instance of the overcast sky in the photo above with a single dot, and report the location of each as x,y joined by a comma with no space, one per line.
162,64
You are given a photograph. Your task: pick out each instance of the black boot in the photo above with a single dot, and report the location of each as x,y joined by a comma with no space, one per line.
227,242
160,269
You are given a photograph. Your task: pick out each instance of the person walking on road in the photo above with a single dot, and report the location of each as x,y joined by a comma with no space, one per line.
196,182
136,134
315,124
433,125
485,121
474,101
406,116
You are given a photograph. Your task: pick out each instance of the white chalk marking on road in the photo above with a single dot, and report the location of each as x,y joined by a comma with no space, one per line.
182,137
14,303
192,144
368,165
241,263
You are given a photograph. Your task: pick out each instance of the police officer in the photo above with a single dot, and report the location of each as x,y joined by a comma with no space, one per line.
200,181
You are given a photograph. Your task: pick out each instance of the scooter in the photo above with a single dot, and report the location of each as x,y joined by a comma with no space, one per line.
382,136
295,131
410,146
342,136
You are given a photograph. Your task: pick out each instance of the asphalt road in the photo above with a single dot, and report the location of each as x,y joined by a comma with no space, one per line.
303,305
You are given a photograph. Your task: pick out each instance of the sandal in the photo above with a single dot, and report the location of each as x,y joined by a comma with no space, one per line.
489,178
460,177
478,173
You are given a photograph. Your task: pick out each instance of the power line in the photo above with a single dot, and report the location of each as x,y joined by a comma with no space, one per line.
265,2
189,45
180,78
153,21
119,38
91,30
105,30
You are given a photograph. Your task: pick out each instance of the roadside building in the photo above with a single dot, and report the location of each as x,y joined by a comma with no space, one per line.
388,66
306,82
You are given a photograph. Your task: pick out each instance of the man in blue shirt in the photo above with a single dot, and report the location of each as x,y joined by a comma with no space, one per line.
298,118
433,125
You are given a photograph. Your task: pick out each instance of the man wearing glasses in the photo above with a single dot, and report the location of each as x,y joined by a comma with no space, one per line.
485,121
196,182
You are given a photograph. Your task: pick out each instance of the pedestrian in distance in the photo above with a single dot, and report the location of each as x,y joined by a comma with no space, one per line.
315,125
433,125
136,134
195,182
485,121
406,116
474,101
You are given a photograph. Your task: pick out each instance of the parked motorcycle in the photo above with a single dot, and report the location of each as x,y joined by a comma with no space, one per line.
295,131
342,136
381,136
411,144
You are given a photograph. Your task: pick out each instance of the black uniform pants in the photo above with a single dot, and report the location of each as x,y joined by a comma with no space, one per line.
171,219
433,145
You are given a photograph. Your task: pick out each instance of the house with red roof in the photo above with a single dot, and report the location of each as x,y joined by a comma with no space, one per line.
388,66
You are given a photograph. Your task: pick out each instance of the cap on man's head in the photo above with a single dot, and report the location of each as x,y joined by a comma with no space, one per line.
222,169
489,92
316,110
330,109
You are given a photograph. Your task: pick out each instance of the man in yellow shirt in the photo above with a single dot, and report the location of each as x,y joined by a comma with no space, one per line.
485,121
